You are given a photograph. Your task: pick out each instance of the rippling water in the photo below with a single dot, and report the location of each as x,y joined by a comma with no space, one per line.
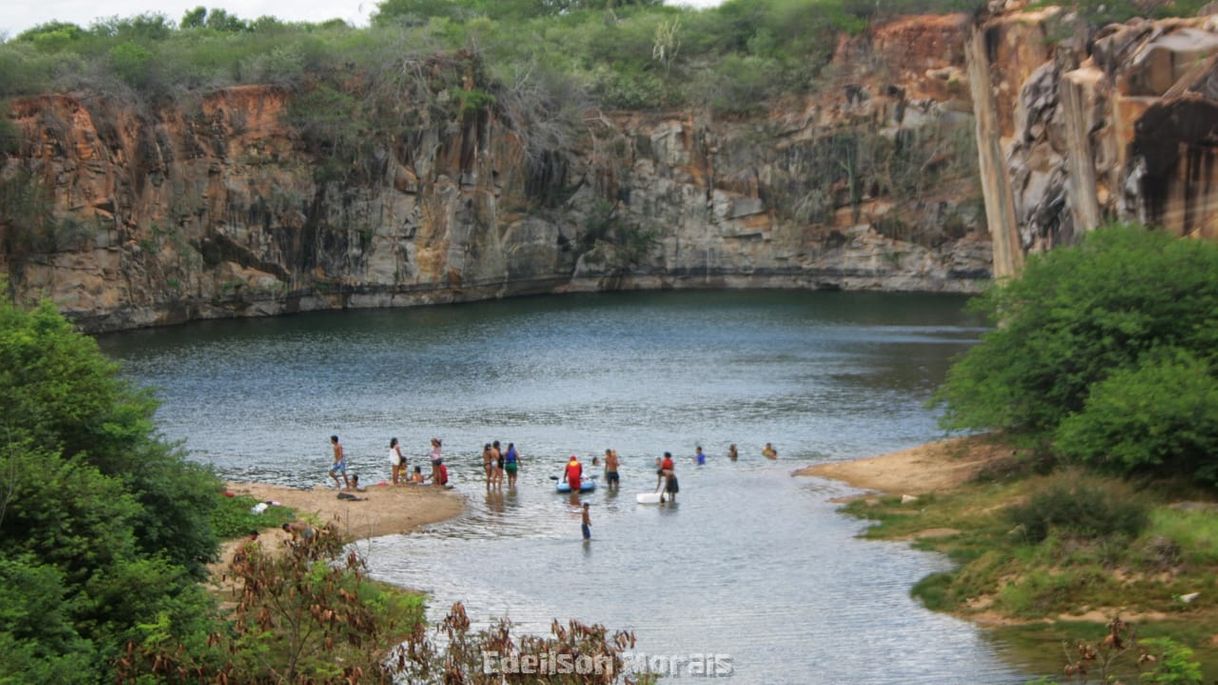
751,563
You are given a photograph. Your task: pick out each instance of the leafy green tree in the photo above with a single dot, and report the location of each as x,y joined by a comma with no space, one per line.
1160,416
51,36
194,19
57,391
103,527
1076,316
37,638
219,20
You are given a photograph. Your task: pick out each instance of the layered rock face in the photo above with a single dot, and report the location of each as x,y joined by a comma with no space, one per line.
1078,128
220,209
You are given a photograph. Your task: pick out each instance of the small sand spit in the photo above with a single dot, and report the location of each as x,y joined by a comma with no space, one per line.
933,467
380,511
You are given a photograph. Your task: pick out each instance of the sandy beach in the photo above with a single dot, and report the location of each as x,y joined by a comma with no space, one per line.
379,511
933,467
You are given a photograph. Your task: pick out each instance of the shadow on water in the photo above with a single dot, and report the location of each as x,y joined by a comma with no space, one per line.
750,563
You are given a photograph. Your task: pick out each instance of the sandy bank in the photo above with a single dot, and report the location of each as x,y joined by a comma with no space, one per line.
382,511
933,467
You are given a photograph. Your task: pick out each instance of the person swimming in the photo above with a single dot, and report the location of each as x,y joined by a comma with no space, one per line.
732,453
699,457
769,452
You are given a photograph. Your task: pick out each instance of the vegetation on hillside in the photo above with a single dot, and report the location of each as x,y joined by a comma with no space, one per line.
624,53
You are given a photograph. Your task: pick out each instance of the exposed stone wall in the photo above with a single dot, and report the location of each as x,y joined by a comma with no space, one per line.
217,210
1088,126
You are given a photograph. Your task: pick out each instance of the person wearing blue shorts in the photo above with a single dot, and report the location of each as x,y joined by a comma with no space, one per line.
340,464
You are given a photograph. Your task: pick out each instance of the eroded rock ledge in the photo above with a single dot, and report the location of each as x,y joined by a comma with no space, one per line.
219,208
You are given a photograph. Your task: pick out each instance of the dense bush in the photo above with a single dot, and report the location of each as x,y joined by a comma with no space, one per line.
626,53
102,526
1108,346
1081,507
1159,417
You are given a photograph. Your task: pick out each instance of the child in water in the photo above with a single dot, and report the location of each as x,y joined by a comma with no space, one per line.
586,524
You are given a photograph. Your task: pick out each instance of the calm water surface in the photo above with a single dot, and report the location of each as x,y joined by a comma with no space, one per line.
751,563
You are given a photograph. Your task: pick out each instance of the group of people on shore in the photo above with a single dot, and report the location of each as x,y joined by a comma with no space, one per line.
398,466
498,462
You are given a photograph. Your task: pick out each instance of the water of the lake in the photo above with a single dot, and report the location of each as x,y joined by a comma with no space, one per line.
751,563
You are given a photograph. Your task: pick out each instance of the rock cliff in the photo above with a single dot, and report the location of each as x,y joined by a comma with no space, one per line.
1082,125
135,216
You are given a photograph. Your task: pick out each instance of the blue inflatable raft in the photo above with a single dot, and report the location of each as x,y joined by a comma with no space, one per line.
585,485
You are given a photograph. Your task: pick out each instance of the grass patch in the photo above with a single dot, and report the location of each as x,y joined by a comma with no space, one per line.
1041,648
1194,533
1123,550
232,517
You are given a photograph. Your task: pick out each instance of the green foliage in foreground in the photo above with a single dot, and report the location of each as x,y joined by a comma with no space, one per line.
102,525
1106,351
306,612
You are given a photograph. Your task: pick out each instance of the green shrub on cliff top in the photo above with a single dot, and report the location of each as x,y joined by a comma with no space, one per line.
1109,346
607,47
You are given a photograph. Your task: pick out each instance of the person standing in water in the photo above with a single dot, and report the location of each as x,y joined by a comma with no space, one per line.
585,525
436,460
667,469
611,477
340,464
487,468
511,464
769,452
699,457
575,471
732,453
396,460
497,464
